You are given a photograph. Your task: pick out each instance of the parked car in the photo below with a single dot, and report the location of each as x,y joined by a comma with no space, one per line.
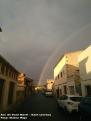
69,103
49,93
84,109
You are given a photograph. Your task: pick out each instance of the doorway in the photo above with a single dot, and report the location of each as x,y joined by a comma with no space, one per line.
1,89
11,93
88,88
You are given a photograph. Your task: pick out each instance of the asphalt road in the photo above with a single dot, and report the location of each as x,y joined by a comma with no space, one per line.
41,108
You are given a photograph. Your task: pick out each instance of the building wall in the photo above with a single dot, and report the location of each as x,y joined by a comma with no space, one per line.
49,84
73,75
21,87
20,93
59,66
28,86
5,92
85,70
24,87
72,63
66,72
8,90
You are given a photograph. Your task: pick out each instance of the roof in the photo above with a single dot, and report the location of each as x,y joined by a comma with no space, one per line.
65,55
58,61
4,60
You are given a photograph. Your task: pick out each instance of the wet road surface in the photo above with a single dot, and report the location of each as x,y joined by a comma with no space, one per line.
41,108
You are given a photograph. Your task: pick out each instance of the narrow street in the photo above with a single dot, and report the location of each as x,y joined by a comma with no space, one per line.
38,105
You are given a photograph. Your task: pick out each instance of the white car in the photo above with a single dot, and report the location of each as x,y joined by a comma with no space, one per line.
49,93
69,102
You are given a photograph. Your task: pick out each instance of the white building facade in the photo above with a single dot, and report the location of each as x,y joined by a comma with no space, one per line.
85,71
66,75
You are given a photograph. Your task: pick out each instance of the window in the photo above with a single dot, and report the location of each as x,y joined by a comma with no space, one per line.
65,89
6,71
71,88
60,92
77,70
2,69
63,71
15,77
1,88
9,73
88,89
61,74
58,76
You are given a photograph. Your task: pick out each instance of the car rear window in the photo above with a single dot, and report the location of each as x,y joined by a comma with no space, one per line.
87,101
64,97
76,99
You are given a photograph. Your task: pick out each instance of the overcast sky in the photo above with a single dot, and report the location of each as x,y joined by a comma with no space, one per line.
36,32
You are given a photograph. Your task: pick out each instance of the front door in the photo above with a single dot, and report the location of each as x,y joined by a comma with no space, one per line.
88,90
11,93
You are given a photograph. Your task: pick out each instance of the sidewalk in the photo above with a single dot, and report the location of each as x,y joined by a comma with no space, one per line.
12,108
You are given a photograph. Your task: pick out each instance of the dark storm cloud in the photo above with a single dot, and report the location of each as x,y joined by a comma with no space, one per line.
33,29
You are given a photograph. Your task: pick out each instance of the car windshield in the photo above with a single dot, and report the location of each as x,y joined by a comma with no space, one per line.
76,99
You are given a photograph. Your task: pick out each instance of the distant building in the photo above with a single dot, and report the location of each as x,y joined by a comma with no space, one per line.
24,87
49,85
28,86
66,75
8,84
21,86
85,71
